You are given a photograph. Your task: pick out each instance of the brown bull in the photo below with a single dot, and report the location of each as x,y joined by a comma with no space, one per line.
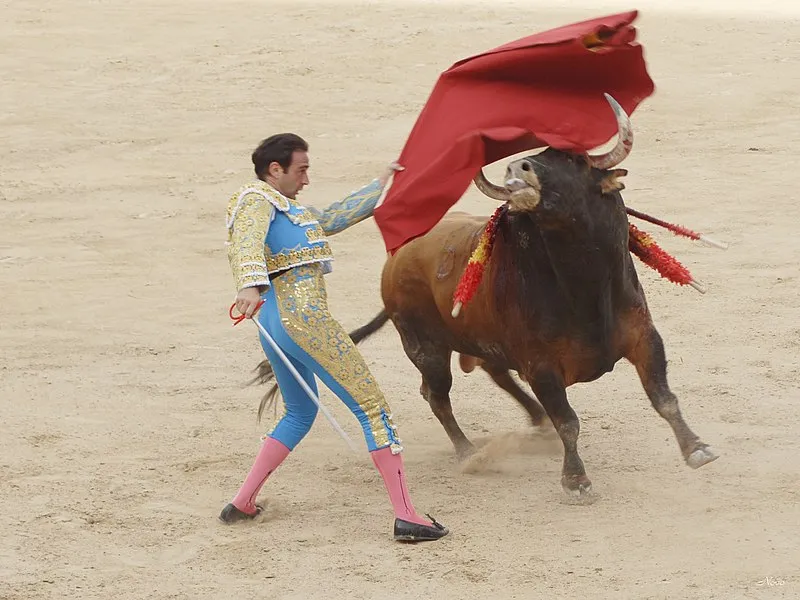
560,301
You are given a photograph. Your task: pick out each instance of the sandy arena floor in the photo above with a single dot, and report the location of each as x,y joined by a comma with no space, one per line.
124,422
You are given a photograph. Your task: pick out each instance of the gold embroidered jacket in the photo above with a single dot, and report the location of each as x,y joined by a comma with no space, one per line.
268,232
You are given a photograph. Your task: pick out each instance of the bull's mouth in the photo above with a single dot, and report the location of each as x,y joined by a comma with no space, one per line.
524,196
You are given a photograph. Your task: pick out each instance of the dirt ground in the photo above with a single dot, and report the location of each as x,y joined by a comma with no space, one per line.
125,424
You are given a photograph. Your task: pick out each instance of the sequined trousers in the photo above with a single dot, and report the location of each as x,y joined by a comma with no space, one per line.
295,313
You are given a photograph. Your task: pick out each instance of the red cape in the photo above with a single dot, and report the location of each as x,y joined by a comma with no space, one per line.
542,90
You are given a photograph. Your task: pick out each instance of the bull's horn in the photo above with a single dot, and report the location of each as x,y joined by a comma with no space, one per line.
624,141
493,191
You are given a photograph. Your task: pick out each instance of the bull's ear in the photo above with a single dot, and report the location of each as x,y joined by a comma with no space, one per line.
610,183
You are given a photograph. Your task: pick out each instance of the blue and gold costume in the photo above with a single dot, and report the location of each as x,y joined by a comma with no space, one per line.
281,247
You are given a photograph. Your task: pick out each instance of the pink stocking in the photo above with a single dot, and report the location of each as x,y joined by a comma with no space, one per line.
391,469
271,455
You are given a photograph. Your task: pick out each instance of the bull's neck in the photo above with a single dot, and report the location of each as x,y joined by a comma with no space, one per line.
578,265
582,242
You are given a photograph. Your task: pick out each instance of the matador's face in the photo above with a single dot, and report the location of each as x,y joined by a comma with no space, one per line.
295,178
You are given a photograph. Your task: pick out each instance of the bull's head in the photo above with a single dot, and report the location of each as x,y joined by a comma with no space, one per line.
523,186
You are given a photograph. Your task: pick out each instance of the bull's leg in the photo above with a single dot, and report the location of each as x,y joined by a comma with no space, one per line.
502,377
650,360
551,392
433,361
438,379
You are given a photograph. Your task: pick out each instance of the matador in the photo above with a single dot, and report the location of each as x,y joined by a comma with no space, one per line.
278,253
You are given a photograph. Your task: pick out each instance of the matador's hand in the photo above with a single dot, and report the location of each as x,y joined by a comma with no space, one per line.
384,178
247,301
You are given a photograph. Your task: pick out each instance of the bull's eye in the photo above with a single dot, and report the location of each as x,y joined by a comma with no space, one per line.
526,166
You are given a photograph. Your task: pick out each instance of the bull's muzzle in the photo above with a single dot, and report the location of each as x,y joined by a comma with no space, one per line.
515,184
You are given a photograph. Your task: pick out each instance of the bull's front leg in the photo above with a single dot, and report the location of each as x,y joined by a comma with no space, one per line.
551,392
650,360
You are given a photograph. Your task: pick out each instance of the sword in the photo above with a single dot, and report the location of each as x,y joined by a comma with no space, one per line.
296,375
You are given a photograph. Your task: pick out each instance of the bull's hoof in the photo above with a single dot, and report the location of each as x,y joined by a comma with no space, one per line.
578,492
577,486
701,456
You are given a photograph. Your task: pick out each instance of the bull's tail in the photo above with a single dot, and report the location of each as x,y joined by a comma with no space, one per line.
365,331
265,374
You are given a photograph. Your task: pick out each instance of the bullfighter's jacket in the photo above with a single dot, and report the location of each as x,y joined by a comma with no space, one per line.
268,232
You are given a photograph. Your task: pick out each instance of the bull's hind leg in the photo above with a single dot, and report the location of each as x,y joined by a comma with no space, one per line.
433,361
502,377
551,392
650,360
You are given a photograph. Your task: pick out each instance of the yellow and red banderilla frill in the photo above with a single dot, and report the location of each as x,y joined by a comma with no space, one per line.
645,248
640,244
473,273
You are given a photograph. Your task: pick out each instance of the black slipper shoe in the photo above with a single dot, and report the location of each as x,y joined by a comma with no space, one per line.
231,514
405,531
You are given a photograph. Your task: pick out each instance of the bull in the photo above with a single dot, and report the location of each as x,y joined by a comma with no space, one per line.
560,302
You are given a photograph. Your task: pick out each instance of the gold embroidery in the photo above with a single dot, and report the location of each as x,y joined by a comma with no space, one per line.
291,258
284,204
315,234
303,306
278,200
304,217
248,217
